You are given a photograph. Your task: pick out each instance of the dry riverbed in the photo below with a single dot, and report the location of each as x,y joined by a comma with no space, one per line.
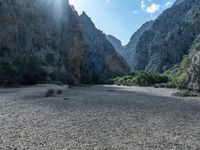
98,118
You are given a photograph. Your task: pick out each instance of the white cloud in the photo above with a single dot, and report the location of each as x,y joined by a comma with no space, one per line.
150,7
168,4
153,8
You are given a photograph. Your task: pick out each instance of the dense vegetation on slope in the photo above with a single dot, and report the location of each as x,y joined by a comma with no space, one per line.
188,71
189,68
142,78
185,75
22,71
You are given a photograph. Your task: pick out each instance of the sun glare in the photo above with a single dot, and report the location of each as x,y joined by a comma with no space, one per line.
76,3
58,8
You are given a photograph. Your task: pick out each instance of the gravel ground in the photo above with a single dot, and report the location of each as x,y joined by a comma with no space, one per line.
98,118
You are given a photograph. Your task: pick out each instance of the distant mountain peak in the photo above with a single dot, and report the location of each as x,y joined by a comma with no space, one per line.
113,37
84,15
117,44
85,19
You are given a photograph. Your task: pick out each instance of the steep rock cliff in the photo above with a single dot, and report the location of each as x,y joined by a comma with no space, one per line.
117,45
99,54
169,38
49,33
194,80
194,70
131,46
38,30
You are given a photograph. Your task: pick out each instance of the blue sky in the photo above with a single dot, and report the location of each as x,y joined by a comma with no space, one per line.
121,18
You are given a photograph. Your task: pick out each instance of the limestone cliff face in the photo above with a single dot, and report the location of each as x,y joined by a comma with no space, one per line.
194,71
99,54
49,32
170,37
194,81
120,49
128,52
131,46
37,29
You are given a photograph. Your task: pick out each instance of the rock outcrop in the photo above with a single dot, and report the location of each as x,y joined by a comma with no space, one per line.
194,71
170,37
51,34
194,81
131,46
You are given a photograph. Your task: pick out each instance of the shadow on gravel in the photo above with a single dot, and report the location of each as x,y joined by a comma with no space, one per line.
102,97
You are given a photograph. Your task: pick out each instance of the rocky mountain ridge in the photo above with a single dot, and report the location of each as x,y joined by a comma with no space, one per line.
128,51
49,36
170,44
99,55
131,46
170,37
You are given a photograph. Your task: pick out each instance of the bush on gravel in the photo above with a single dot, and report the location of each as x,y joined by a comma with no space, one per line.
142,78
59,91
50,93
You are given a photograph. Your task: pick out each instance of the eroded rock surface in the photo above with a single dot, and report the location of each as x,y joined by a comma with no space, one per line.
49,32
170,37
194,82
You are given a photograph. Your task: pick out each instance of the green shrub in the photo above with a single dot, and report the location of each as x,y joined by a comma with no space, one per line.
21,71
148,78
59,91
186,63
50,93
142,78
181,80
30,70
9,74
172,70
196,46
